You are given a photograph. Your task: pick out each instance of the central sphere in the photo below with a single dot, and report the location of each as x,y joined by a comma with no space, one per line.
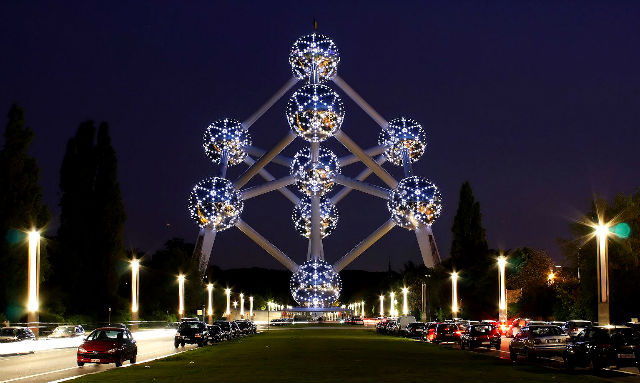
302,217
403,134
314,53
226,134
315,112
215,202
315,284
314,177
415,202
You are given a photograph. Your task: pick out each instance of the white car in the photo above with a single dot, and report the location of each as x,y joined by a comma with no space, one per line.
538,340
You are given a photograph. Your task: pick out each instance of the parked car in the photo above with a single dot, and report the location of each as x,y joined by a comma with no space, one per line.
604,346
355,321
246,326
235,329
446,332
191,332
225,326
516,325
15,334
538,340
380,326
575,327
414,330
108,345
480,335
69,331
429,332
215,334
392,327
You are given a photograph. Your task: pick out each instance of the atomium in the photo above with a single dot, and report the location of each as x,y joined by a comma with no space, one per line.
226,134
315,112
214,202
403,134
315,284
415,202
302,217
314,177
314,54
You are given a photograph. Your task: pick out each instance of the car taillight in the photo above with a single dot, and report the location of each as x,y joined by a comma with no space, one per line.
458,332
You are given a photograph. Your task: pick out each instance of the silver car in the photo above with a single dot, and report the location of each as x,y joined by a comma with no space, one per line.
538,340
575,327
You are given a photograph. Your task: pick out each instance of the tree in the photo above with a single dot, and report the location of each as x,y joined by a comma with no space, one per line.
528,272
92,219
21,209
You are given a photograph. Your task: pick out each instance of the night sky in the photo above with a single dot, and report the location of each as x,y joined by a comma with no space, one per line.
537,104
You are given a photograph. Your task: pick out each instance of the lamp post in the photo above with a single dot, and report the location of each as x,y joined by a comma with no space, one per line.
241,305
502,293
228,293
382,305
363,315
602,231
33,281
454,294
135,289
392,309
210,302
181,295
405,303
250,307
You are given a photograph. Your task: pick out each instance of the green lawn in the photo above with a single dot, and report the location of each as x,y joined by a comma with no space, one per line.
331,355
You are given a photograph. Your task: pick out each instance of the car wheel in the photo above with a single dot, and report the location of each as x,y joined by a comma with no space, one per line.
471,346
80,364
176,344
568,363
462,345
133,360
512,355
530,356
119,362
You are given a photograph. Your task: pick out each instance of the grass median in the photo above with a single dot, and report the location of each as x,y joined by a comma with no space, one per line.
331,355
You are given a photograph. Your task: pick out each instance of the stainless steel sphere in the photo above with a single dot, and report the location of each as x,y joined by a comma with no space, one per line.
315,284
215,202
226,134
403,134
315,177
314,54
415,202
315,112
302,217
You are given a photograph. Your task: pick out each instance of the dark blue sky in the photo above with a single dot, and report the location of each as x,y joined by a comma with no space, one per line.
536,103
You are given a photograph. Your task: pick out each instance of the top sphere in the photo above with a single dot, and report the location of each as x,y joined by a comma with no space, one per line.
314,53
415,202
215,202
315,112
403,134
226,134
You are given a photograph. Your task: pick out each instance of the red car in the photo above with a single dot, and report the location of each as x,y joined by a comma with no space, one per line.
108,345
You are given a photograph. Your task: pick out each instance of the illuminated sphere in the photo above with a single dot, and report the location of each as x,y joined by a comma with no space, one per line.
315,284
314,52
415,202
215,202
226,134
403,133
315,112
314,178
302,217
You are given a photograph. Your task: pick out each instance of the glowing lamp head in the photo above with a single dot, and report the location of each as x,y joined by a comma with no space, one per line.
454,275
315,284
414,203
226,135
214,202
403,134
210,287
34,236
502,261
135,264
602,230
227,291
181,278
314,55
302,217
315,112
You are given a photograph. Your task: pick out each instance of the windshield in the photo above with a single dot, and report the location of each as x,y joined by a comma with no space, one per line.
192,325
63,330
106,335
481,330
545,331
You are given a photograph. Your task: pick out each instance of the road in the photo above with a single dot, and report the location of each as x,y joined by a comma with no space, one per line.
55,364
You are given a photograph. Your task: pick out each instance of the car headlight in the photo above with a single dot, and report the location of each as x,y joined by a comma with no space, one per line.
80,349
113,351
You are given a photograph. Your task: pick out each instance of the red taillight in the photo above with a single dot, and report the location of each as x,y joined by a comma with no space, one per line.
458,332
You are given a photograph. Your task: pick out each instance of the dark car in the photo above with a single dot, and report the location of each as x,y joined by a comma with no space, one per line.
430,331
108,345
381,325
444,332
191,332
246,327
391,327
226,328
15,334
604,346
575,327
215,334
480,335
538,340
414,330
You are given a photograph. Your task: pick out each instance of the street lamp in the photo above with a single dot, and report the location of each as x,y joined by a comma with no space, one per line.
363,315
250,307
454,293
241,305
405,303
135,288
392,309
33,279
210,302
502,293
550,278
602,253
181,295
382,305
228,293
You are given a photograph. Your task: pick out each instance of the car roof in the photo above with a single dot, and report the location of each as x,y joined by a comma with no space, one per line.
111,328
610,327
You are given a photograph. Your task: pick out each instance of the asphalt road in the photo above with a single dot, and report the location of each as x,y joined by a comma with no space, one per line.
53,365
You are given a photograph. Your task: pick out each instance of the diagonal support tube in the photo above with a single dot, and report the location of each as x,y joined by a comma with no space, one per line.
352,159
364,245
428,248
368,161
270,102
267,246
278,160
264,160
361,102
362,186
360,177
316,234
202,250
269,177
267,187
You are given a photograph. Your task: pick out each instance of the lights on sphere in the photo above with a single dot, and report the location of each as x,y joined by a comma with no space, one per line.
226,134
403,134
315,112
302,217
315,284
214,202
415,202
314,177
314,54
